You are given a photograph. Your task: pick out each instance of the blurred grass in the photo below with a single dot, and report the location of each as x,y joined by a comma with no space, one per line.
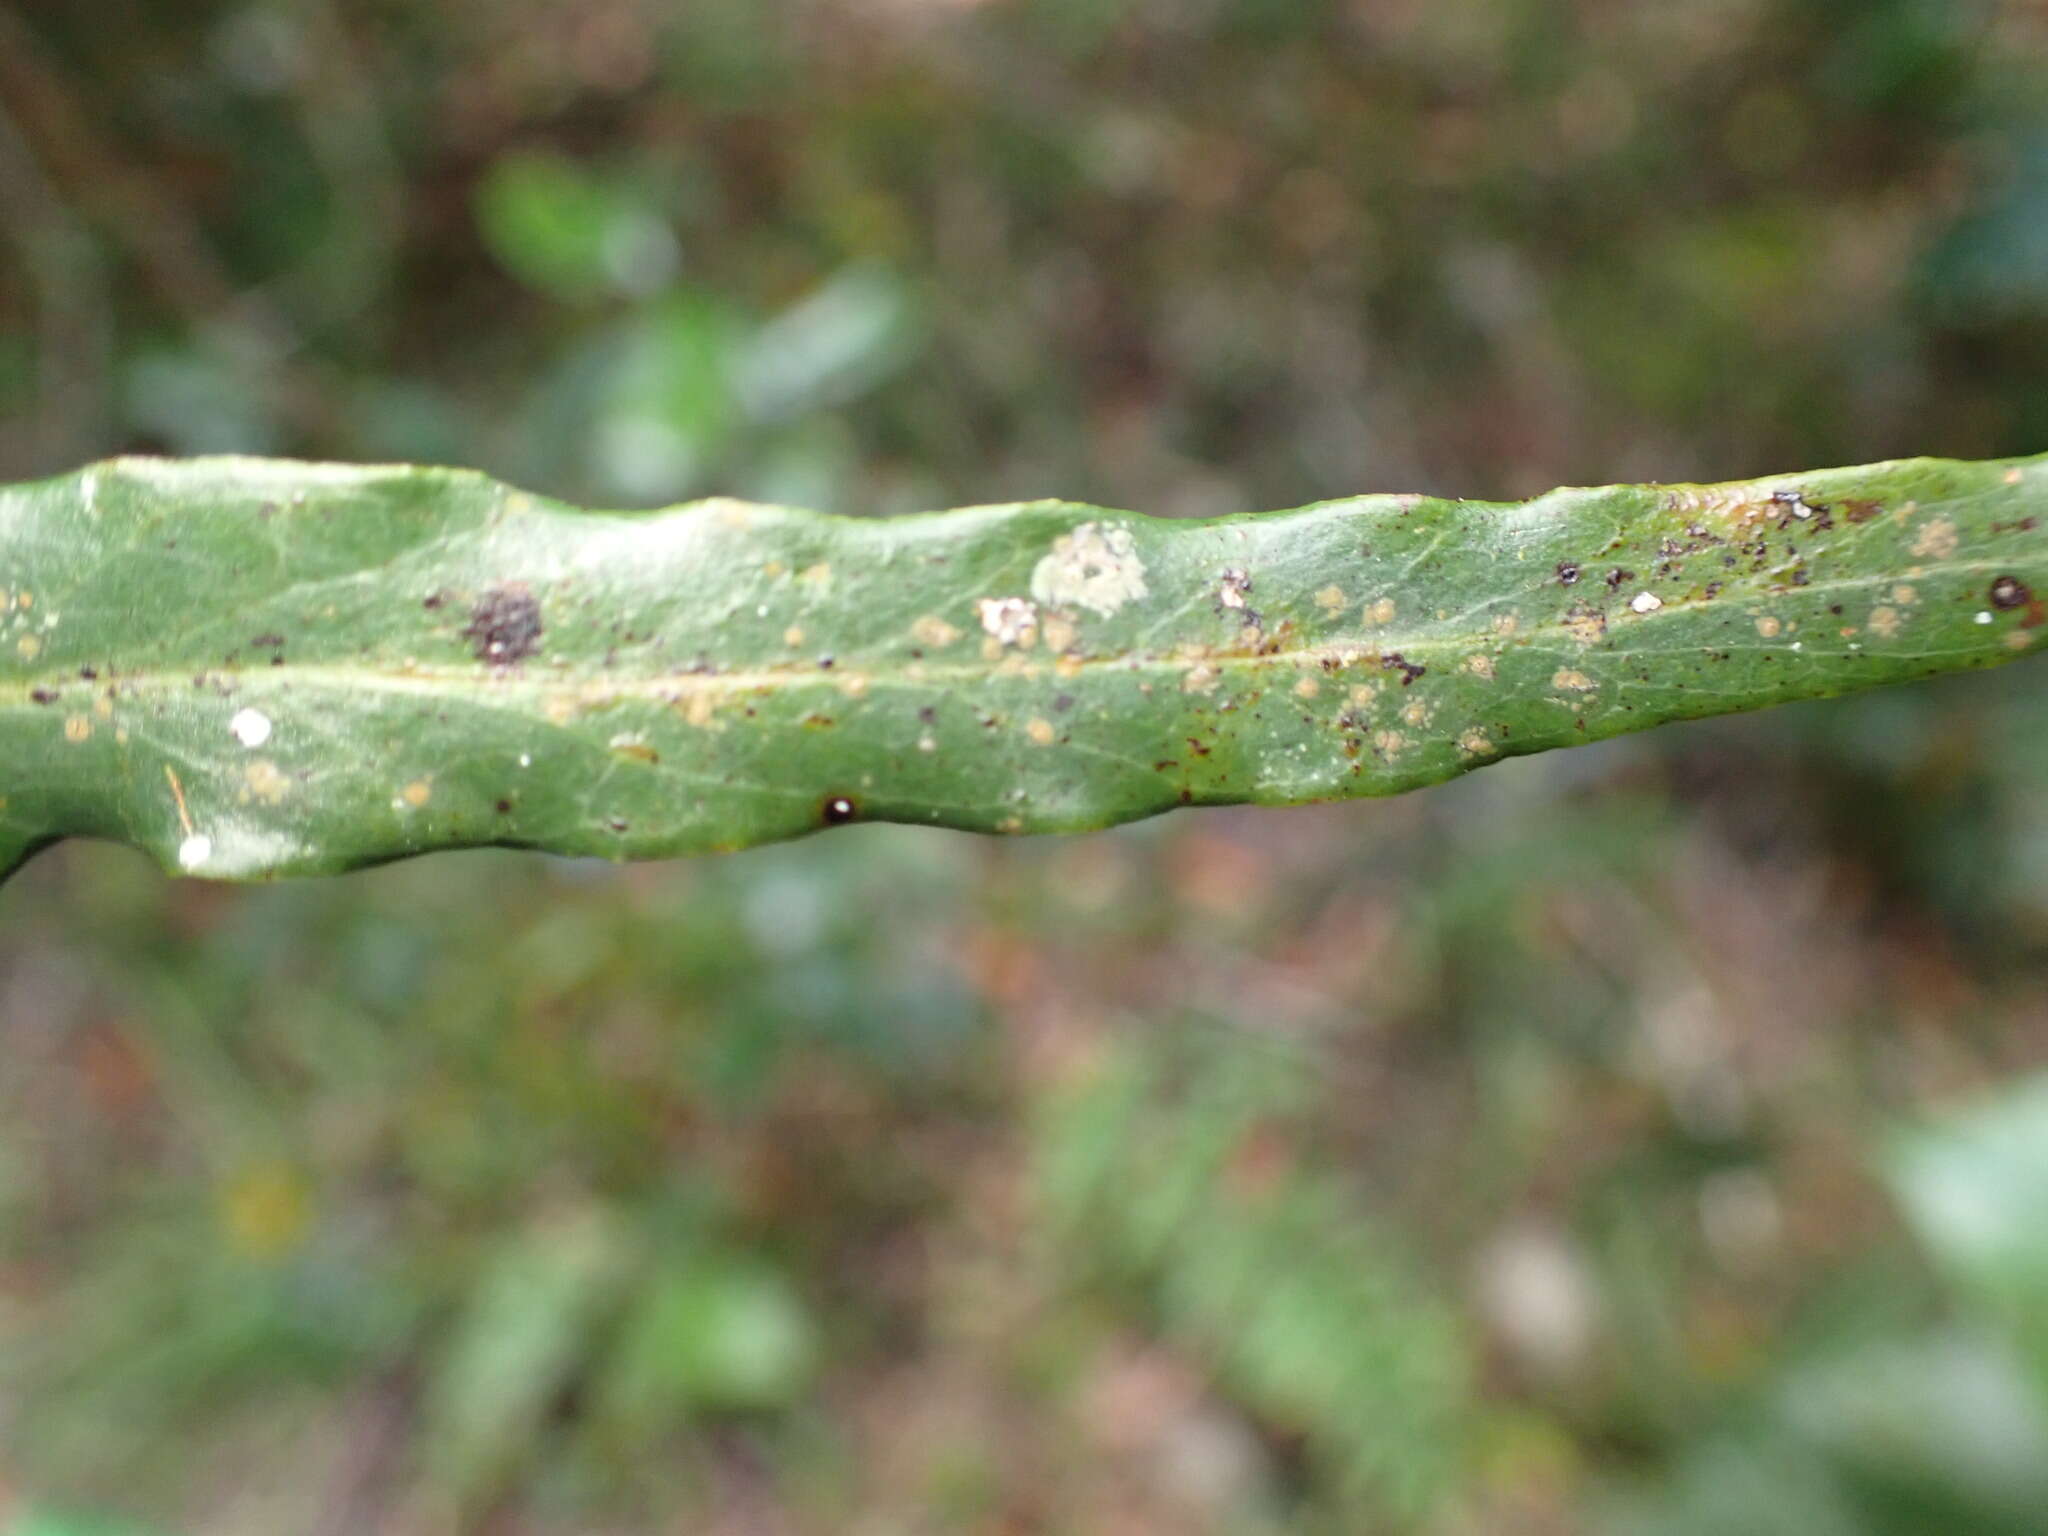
1639,1141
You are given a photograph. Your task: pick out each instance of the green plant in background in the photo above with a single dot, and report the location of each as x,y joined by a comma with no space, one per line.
255,668
1178,1177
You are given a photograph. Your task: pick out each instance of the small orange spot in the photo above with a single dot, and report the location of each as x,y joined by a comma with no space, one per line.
265,1212
933,632
417,793
266,782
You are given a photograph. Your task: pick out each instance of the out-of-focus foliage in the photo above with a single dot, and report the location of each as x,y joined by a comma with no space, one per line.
1651,1124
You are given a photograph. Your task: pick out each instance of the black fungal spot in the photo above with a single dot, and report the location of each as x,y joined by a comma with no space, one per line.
504,626
42,696
1617,576
617,823
1394,661
267,642
837,811
2010,592
504,807
1567,573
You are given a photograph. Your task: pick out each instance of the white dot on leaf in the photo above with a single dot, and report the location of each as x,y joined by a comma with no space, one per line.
251,727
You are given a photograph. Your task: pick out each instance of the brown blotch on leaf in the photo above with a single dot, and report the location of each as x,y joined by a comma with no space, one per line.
504,626
2010,592
1394,661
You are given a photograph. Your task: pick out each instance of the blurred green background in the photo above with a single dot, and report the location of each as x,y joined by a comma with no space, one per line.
1646,1139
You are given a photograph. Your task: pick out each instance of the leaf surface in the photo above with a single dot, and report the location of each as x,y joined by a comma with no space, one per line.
254,668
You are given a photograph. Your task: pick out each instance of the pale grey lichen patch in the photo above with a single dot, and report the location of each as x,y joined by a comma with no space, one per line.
1008,620
1937,541
1094,567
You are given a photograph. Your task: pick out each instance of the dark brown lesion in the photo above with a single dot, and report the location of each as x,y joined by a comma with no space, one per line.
1394,661
504,625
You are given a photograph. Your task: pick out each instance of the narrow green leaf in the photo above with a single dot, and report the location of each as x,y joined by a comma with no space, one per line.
253,668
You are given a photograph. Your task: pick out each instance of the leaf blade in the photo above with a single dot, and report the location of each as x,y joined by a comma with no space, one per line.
254,667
